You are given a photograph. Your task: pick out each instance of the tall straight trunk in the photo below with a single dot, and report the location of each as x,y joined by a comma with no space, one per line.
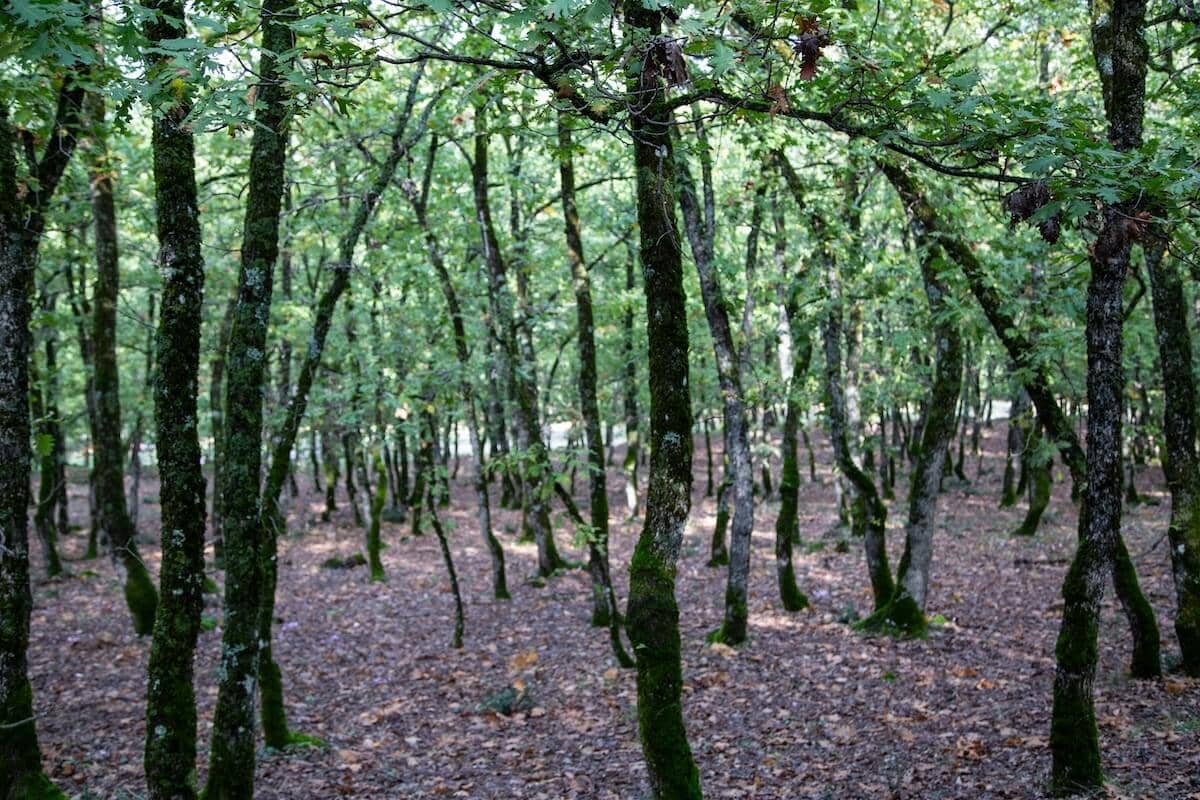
1145,660
1120,52
630,397
537,473
111,508
1182,464
170,749
589,408
653,616
231,762
699,224
22,221
905,611
466,385
216,411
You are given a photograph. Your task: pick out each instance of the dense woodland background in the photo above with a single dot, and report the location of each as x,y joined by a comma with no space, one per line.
599,399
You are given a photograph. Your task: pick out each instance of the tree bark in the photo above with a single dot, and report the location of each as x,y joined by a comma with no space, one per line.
537,473
1120,53
112,511
22,221
653,616
1182,463
170,750
231,762
699,224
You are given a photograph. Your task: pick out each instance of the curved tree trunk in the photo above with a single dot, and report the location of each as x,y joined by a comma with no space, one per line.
906,609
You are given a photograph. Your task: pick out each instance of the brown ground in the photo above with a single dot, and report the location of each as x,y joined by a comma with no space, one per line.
809,709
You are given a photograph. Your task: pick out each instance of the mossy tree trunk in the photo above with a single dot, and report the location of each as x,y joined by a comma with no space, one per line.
1182,463
602,612
1039,484
868,512
418,200
799,351
905,611
1145,661
170,751
699,222
374,541
653,616
22,221
231,762
1120,52
81,311
787,527
111,509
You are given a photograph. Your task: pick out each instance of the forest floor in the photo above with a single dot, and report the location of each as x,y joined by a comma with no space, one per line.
807,709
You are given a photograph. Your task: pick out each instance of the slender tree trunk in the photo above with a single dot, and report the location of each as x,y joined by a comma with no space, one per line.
536,475
602,614
1120,52
216,405
170,750
906,609
653,617
699,224
467,387
22,221
787,527
115,522
630,387
1018,426
44,410
1182,463
231,762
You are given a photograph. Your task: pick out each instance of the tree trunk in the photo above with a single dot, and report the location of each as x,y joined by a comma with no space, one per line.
699,224
630,387
231,763
48,431
603,614
536,476
1182,463
113,513
653,616
22,220
170,751
216,409
906,609
1120,53
467,387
